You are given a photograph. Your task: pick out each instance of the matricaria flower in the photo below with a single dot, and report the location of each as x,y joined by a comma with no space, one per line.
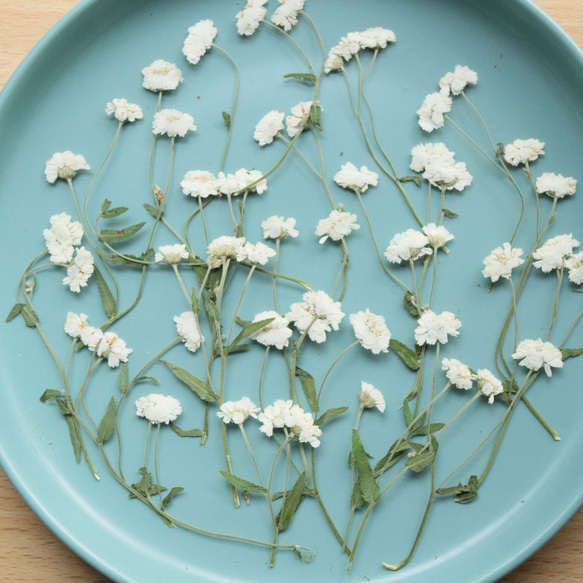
337,225
279,228
250,17
553,253
250,180
112,347
268,127
457,81
277,333
432,110
286,414
410,244
171,254
523,151
371,397
124,111
200,183
433,328
349,176
76,326
161,76
371,331
575,266
457,373
158,409
536,354
80,270
556,185
64,165
188,330
286,15
257,254
501,262
237,412
376,38
172,123
438,235
488,384
199,40
299,118
316,315
223,248
62,238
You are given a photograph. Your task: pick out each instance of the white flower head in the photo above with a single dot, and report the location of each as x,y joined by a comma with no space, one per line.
189,330
286,414
536,354
488,384
457,81
299,118
286,15
556,185
457,373
438,235
158,409
172,123
523,151
334,62
75,324
279,228
371,331
432,111
410,244
171,254
112,347
249,19
376,38
223,248
200,183
124,111
424,155
250,180
64,165
80,270
371,397
237,412
268,127
501,262
337,225
275,416
553,253
199,40
575,266
257,254
277,333
349,176
434,327
62,238
161,76
316,315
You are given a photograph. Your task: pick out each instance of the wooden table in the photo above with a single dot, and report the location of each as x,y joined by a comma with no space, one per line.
29,552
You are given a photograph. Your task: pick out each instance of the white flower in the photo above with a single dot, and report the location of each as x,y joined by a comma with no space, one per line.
488,384
237,411
316,315
275,416
457,81
286,15
371,331
537,354
434,327
80,270
523,151
172,123
300,115
337,225
277,333
424,155
251,180
457,373
123,110
200,183
188,329
351,177
348,46
432,111
64,165
268,127
556,185
223,248
158,409
575,266
410,244
439,167
438,235
334,62
286,414
501,262
553,252
376,38
371,397
279,228
199,40
161,76
257,254
227,184
62,237
75,324
112,347
171,254
250,17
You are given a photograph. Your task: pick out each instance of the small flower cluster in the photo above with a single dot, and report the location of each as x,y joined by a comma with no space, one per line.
433,328
171,254
279,228
501,262
199,40
522,152
277,333
337,225
268,127
299,118
370,397
556,185
286,15
64,165
172,123
285,415
438,166
349,176
124,111
462,377
189,331
161,76
536,354
237,412
316,315
555,252
249,19
227,248
158,409
371,331
408,245
203,184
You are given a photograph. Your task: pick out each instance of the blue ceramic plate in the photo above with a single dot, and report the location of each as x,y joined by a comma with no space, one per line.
530,86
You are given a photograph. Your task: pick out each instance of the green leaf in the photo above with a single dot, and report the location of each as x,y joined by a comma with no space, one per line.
235,349
155,211
119,235
123,380
369,489
330,414
112,213
309,387
571,352
227,119
410,303
170,496
211,308
185,432
194,302
420,461
395,453
107,299
107,425
145,379
408,356
425,429
471,494
76,437
194,383
249,330
307,77
415,179
242,484
449,214
105,206
30,316
15,311
51,395
459,489
407,415
291,503
145,487
500,150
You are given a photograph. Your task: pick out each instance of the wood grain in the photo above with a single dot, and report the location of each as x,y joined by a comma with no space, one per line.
29,552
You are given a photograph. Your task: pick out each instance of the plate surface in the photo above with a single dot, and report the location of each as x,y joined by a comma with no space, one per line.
530,82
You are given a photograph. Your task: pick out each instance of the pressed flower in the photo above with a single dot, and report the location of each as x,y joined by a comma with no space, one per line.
427,154
64,165
80,270
457,373
279,228
227,184
299,118
371,331
536,354
376,38
277,333
172,123
556,185
438,235
337,225
371,397
488,384
434,327
161,76
575,266
410,244
351,177
250,17
268,127
334,62
285,414
237,412
171,254
457,81
348,46
432,110
258,253
112,347
553,253
275,416
316,315
124,111
158,409
222,248
75,324
286,15
62,238
199,40
501,262
523,151
200,183
251,180
188,330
